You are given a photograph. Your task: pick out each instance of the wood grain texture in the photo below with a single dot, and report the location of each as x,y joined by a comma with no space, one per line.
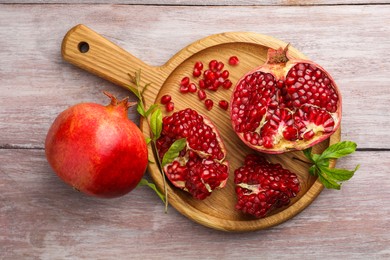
204,2
30,60
42,218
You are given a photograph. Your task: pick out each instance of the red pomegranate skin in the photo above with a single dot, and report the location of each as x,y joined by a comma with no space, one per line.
96,149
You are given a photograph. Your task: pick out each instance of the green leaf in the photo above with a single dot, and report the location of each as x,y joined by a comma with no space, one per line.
338,150
328,183
156,123
145,87
173,151
315,157
134,90
312,170
145,182
140,109
307,153
148,140
151,109
338,174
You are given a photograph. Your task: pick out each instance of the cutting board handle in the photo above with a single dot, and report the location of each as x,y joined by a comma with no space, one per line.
92,52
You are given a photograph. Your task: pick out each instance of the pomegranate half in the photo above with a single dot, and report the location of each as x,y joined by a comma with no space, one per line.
96,149
284,105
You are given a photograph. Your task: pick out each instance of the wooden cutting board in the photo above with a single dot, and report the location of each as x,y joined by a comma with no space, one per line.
92,52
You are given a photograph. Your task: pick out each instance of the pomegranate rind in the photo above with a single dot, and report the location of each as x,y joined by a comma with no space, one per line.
96,149
279,71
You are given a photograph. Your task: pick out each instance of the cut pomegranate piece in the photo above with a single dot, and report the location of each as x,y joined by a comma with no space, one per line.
262,186
200,168
285,104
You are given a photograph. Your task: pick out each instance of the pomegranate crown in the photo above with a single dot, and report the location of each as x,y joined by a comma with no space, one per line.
114,101
278,56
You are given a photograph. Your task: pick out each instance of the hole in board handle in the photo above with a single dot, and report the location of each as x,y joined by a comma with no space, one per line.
83,47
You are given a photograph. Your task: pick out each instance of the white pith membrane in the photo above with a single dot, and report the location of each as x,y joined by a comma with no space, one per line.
285,106
197,170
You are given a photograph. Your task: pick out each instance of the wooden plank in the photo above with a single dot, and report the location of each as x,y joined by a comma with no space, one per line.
204,3
41,217
351,42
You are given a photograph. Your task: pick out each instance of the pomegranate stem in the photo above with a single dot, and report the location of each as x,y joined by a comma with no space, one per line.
300,160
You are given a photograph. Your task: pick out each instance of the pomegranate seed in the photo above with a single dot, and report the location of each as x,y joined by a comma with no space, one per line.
233,60
223,104
209,104
165,99
209,75
227,84
225,74
169,107
196,73
220,66
201,94
185,81
192,88
213,65
198,65
202,84
184,89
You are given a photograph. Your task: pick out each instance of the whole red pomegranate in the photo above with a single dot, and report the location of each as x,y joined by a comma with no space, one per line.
286,104
262,186
96,149
200,167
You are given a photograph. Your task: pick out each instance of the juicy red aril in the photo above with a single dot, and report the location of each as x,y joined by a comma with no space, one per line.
223,104
165,99
185,82
198,65
227,84
192,88
220,66
196,72
225,74
209,104
200,167
201,94
213,65
233,60
262,187
184,89
169,106
202,84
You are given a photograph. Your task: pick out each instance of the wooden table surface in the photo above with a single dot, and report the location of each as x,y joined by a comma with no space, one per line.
42,218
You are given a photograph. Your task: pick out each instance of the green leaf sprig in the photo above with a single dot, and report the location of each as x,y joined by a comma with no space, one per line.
331,178
153,117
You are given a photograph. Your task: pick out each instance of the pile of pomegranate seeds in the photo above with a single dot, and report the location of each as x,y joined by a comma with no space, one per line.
210,79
